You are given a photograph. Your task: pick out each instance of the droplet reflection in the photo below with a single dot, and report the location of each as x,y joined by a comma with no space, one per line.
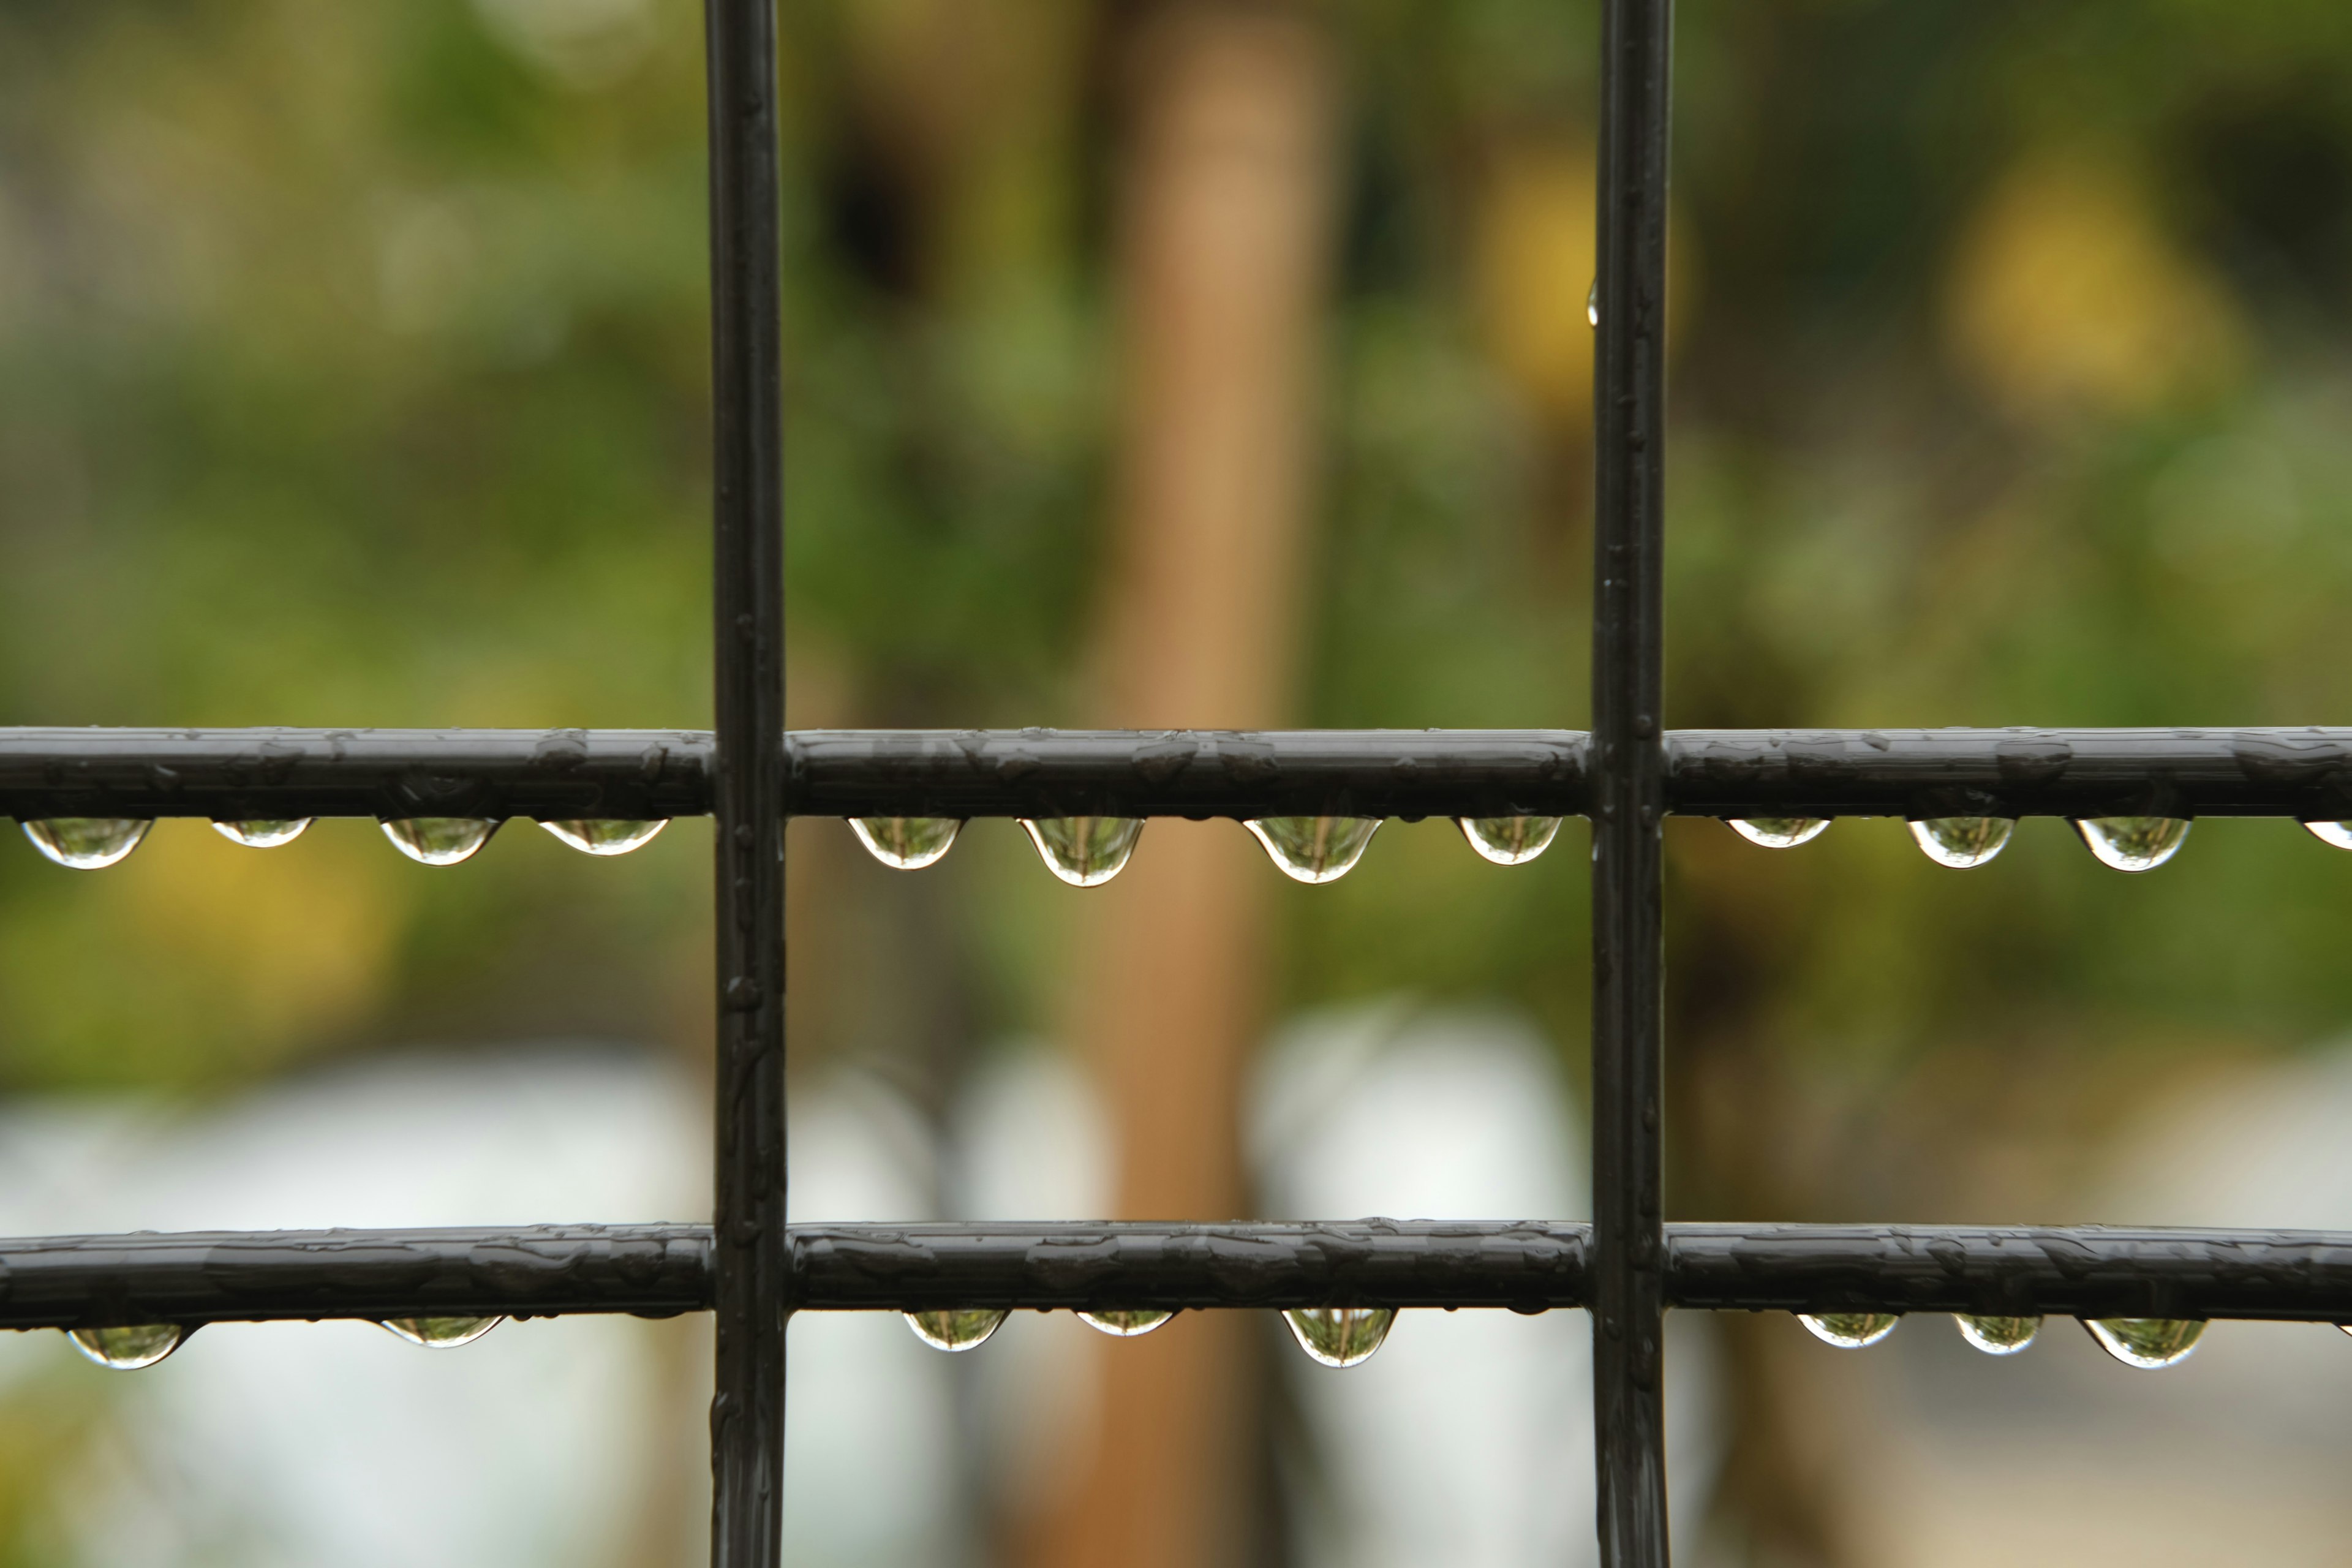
1850,1331
439,840
1341,1336
259,834
907,843
1126,1325
2335,835
1084,851
1592,304
2148,1342
1509,840
1779,832
962,1329
1961,842
1998,1336
2133,843
1315,848
441,1334
129,1347
87,843
605,835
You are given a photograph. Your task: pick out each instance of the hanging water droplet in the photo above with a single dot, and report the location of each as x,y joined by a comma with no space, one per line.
1341,1336
2133,843
1779,832
1084,851
2337,836
439,840
129,1347
1960,842
2148,1343
1850,1331
602,836
961,1328
87,843
1126,1325
262,835
1315,848
1509,840
1592,304
1998,1336
907,843
441,1334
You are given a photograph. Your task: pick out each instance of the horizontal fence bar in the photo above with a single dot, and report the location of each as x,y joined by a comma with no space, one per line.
1187,773
656,1270
2303,772
223,1276
1529,1266
258,774
644,773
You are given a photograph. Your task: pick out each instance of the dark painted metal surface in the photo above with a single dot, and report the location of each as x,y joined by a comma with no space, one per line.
2014,1271
750,1256
1629,801
275,774
230,773
560,1270
1188,772
207,1277
1530,1265
2304,773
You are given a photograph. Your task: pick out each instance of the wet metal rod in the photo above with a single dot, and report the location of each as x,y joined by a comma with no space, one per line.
74,1281
750,1256
1628,785
644,773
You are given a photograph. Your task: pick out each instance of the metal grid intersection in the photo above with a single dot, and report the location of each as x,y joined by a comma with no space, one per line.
1626,776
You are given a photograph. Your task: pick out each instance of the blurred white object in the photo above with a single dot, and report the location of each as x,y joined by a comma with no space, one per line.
1468,1439
298,1444
2061,1455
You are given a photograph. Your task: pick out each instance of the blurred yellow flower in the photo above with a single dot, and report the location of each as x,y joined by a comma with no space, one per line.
2066,294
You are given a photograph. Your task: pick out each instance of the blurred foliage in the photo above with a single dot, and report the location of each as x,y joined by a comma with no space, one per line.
352,368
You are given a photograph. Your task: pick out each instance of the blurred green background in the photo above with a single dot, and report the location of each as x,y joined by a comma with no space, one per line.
353,371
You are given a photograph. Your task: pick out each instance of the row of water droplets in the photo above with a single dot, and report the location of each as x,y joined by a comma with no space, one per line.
1333,1336
94,842
2125,843
2145,1343
130,1346
1087,851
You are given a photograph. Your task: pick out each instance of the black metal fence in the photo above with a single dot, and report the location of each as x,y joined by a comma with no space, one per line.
747,1267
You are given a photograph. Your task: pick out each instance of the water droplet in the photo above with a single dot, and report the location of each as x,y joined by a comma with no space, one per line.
1315,848
1961,842
129,1347
1998,1336
1341,1336
1850,1331
907,843
2148,1342
441,1334
958,1330
1126,1325
262,835
1084,851
1779,832
439,840
605,836
2133,843
2337,836
1592,304
1509,840
87,843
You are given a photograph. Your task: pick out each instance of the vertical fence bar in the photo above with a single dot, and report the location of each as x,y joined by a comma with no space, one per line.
747,1412
1629,796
